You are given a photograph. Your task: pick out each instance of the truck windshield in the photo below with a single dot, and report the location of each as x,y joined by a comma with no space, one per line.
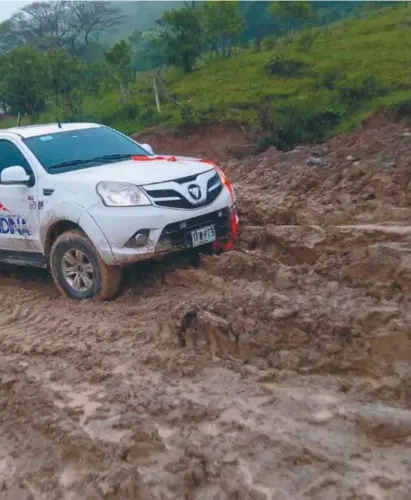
83,148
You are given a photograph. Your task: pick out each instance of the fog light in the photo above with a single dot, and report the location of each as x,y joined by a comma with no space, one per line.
141,239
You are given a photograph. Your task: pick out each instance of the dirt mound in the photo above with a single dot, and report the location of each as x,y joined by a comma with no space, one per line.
215,142
279,370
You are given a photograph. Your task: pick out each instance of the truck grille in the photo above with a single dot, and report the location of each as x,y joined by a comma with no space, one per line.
171,198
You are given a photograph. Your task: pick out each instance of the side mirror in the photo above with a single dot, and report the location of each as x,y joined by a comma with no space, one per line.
15,175
148,148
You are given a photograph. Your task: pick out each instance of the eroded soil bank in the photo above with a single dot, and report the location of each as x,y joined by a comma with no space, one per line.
295,382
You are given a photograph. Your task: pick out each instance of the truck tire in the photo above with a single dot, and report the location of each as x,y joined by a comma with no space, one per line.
79,272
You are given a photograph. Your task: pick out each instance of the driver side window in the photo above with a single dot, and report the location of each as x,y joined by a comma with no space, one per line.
10,156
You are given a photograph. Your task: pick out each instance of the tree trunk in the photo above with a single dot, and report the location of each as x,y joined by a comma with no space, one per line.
156,95
258,38
223,54
123,95
229,47
186,63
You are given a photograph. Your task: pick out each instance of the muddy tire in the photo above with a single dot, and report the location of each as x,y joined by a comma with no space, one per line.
78,270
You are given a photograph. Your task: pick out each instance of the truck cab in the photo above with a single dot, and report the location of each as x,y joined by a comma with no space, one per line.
84,200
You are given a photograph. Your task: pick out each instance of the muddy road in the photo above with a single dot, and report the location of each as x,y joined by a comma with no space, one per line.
295,381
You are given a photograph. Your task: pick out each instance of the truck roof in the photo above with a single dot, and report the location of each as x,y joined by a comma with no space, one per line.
48,128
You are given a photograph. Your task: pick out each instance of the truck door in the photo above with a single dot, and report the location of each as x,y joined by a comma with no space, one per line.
19,219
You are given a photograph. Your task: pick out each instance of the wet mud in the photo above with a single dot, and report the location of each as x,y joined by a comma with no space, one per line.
278,371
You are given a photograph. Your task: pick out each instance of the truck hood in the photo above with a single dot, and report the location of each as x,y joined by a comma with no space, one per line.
138,172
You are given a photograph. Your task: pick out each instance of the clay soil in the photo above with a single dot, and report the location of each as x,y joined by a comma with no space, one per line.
295,379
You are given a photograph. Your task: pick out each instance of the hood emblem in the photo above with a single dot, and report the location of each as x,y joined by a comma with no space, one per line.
194,191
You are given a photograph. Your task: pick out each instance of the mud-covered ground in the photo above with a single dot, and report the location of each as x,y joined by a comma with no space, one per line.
295,381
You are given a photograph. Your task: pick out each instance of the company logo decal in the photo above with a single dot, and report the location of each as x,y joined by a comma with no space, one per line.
13,224
32,203
195,191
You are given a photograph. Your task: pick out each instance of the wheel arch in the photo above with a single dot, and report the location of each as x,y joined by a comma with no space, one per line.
54,230
75,217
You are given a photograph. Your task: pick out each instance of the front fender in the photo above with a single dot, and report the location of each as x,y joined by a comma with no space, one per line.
78,215
62,212
97,237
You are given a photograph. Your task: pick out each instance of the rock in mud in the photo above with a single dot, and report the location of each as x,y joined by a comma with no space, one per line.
353,157
383,422
317,161
321,417
284,360
195,326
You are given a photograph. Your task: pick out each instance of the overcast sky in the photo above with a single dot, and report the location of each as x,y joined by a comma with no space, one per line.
9,7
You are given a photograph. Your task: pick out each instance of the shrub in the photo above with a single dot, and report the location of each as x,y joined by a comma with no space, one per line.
360,89
269,42
306,40
187,114
266,117
294,123
285,66
328,79
298,125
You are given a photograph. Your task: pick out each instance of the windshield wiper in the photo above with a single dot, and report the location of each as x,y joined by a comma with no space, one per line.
71,162
117,156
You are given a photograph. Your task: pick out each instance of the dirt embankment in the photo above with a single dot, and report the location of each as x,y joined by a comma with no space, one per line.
295,382
215,142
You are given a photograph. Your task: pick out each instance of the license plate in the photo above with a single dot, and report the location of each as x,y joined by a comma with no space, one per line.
203,236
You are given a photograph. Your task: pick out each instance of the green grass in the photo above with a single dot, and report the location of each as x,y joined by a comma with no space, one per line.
351,69
375,47
7,122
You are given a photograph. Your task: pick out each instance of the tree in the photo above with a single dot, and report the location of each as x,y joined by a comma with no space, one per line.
152,52
93,18
182,34
62,24
23,80
136,38
8,40
120,57
191,4
222,23
66,81
291,12
3,104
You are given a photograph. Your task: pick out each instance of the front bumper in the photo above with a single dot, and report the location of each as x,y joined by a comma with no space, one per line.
168,230
177,235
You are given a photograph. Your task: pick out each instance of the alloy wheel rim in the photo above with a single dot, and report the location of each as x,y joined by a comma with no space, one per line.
77,270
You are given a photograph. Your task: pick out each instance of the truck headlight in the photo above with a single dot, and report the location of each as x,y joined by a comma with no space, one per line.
121,194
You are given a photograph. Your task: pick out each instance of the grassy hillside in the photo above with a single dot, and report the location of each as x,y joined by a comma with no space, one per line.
314,84
307,87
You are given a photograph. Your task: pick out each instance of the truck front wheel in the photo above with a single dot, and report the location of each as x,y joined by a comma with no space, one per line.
78,270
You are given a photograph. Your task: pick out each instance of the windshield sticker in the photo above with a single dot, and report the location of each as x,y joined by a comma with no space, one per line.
46,138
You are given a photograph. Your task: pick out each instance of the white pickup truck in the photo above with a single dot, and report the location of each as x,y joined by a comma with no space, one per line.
85,200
